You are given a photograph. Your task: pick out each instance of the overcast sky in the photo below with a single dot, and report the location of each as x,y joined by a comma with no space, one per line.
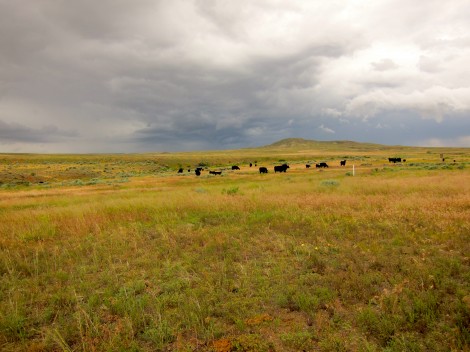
150,75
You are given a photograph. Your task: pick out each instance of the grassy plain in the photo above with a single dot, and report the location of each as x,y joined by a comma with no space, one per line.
121,253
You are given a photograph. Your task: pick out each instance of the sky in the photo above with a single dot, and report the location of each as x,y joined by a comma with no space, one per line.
149,75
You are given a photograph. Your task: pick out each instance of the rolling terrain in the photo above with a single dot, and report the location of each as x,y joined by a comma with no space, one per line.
110,252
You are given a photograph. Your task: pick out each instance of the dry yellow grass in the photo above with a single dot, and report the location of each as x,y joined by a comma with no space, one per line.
163,261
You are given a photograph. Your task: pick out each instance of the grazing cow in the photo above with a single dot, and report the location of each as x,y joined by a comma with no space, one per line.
215,172
235,167
318,166
263,170
180,171
281,168
307,166
394,160
251,164
198,172
342,163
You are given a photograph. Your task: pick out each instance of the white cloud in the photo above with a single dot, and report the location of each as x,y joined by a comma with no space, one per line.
325,129
382,126
432,103
331,112
461,141
384,65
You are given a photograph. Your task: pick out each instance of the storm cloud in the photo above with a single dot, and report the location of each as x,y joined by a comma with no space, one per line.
121,76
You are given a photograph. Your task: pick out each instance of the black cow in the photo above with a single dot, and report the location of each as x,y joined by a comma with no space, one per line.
215,172
180,171
251,164
235,167
394,160
307,166
318,166
198,172
342,163
281,168
263,170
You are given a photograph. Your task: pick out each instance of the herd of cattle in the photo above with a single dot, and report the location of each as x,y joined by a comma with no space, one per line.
284,167
281,168
262,169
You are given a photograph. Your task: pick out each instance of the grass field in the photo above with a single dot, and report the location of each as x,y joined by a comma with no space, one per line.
121,253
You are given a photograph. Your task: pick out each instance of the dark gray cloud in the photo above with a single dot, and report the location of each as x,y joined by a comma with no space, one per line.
17,133
154,75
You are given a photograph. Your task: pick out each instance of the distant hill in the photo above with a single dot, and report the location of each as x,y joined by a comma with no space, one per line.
300,143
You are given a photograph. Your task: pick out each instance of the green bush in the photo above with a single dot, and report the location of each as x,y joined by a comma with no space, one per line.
230,191
330,183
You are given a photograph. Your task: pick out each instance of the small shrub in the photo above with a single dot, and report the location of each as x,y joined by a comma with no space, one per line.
160,334
335,344
14,326
122,180
230,191
381,326
301,341
330,183
77,183
251,342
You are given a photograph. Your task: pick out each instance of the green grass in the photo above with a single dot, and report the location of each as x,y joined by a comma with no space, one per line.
310,260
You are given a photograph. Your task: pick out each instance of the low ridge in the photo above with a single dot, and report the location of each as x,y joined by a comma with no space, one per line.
301,143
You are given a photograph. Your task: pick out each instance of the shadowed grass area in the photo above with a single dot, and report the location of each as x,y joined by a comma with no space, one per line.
308,260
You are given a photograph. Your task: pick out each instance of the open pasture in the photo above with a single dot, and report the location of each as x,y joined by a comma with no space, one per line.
121,253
